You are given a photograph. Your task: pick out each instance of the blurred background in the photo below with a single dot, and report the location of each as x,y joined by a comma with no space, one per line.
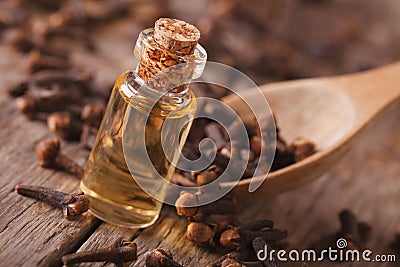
269,40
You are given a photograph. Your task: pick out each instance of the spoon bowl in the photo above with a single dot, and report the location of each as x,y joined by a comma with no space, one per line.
330,111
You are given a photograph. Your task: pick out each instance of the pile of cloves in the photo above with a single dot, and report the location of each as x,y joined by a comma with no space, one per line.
214,225
62,98
56,91
244,242
260,135
204,221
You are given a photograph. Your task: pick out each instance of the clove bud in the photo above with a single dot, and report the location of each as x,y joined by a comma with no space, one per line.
49,156
199,232
207,176
161,258
235,237
188,205
302,148
37,61
121,253
64,125
71,204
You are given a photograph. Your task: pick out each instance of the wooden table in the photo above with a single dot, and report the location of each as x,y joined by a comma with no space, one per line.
33,234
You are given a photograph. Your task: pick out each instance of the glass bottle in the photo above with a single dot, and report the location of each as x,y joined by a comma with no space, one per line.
139,108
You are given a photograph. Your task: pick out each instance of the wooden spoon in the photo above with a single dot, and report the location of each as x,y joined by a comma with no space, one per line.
330,111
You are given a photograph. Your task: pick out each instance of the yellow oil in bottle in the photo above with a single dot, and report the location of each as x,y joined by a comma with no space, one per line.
108,182
144,127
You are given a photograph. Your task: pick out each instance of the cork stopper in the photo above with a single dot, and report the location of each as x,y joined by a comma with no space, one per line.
176,35
171,41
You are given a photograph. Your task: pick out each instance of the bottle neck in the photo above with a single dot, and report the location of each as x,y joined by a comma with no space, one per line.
147,98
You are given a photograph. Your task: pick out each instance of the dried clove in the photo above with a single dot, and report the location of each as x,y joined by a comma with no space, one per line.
199,232
46,50
243,244
51,91
302,148
64,125
260,244
161,258
36,61
49,156
59,26
235,237
230,238
207,176
357,234
92,113
180,179
27,106
71,204
235,256
232,259
121,253
188,205
283,156
78,13
33,107
230,262
74,82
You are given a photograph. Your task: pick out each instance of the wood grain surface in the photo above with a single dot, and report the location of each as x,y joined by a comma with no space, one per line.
366,180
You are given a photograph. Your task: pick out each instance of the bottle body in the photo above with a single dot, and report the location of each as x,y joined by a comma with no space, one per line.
108,182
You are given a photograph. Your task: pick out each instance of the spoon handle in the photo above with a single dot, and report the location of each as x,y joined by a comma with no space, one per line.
371,91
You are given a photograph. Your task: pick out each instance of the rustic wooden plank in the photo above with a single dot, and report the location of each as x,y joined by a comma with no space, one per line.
168,232
37,233
368,173
105,235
